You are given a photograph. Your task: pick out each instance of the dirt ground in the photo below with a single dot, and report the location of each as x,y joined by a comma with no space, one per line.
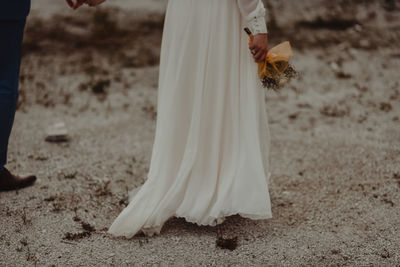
335,148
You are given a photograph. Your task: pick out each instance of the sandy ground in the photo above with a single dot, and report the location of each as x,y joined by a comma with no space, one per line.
335,148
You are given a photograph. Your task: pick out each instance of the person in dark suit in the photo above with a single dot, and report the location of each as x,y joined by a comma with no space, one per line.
13,14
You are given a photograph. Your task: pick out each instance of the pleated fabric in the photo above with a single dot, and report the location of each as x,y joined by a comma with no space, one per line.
210,153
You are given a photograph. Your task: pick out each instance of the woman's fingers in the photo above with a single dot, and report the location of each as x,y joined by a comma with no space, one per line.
260,56
259,47
258,53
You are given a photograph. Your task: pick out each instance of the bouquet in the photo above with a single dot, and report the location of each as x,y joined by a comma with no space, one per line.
275,71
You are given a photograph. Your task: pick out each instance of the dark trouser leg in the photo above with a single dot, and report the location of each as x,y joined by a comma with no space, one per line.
11,35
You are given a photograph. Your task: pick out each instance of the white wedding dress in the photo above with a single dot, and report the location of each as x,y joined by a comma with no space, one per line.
210,153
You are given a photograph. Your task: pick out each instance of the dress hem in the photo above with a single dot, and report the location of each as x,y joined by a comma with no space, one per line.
212,221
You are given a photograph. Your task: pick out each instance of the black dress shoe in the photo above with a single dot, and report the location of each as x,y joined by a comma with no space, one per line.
9,181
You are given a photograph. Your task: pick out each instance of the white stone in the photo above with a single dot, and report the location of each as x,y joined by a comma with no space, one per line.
57,133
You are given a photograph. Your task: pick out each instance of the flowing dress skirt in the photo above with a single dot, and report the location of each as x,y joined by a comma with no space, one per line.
210,153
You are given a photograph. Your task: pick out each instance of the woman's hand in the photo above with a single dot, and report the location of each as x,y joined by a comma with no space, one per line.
259,47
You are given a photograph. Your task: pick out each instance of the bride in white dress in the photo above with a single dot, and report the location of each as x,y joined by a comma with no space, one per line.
210,153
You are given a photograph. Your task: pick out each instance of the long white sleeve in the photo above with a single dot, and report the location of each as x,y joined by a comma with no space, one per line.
253,12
